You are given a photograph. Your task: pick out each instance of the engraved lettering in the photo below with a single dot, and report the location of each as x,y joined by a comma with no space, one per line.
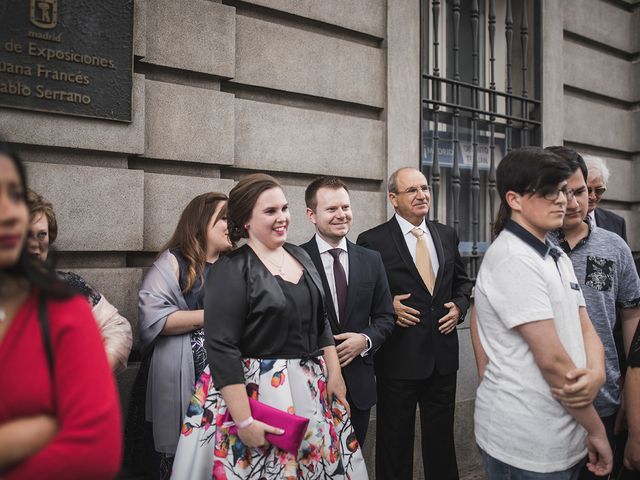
17,69
43,72
62,95
15,88
12,46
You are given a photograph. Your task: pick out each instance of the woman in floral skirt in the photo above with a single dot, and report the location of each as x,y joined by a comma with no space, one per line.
267,337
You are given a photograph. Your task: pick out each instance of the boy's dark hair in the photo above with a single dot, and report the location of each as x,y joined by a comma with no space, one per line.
321,182
530,170
573,158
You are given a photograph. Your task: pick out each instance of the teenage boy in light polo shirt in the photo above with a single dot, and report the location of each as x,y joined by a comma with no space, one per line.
532,330
603,264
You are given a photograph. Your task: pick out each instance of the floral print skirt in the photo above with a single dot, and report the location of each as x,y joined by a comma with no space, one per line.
329,450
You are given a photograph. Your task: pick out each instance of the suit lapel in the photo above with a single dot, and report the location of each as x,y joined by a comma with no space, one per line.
439,252
354,276
598,216
314,253
403,250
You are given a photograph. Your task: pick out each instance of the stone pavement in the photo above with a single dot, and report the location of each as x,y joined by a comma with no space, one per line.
474,476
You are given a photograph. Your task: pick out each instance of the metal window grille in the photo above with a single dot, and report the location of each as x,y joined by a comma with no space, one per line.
479,101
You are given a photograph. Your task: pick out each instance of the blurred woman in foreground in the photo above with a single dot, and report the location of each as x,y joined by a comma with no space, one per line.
59,408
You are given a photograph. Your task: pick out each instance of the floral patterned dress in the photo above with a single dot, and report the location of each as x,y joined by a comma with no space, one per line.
329,450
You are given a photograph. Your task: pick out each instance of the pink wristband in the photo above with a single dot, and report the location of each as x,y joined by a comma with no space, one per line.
245,423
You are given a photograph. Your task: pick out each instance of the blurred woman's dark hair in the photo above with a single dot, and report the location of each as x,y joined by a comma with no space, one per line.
527,170
29,268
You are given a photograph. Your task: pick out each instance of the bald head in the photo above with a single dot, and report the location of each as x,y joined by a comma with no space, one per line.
392,184
409,194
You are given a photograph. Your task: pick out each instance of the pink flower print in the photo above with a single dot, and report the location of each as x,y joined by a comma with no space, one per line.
218,471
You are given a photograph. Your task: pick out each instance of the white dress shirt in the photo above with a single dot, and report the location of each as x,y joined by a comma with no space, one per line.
412,241
592,216
327,263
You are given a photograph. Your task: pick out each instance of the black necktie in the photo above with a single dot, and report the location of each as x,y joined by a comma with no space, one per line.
341,282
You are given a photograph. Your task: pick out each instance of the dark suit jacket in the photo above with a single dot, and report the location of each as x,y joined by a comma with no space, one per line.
414,352
369,310
611,221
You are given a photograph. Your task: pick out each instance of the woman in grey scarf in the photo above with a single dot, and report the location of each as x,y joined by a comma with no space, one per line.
171,318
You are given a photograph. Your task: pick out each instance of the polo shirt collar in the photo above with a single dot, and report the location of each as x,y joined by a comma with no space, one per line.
323,246
543,248
562,239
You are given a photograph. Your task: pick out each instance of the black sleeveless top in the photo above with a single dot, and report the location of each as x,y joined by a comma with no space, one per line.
298,299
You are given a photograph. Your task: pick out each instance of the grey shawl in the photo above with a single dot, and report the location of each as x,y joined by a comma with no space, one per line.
171,373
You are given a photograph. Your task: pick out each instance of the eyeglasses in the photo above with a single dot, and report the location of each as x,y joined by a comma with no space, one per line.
567,192
413,191
599,191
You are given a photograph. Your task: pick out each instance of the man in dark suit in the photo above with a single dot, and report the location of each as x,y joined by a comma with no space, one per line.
596,186
360,310
419,363
610,221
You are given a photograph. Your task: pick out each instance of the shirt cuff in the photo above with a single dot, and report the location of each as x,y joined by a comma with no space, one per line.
365,352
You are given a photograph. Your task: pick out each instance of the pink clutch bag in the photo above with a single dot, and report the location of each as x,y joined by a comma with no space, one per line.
294,426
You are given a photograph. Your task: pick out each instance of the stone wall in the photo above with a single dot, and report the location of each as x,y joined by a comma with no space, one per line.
592,92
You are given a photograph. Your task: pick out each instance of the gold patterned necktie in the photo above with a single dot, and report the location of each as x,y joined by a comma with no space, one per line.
423,260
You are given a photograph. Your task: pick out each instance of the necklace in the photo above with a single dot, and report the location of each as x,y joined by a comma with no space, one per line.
3,315
281,266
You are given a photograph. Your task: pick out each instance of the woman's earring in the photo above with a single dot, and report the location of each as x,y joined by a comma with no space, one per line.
246,226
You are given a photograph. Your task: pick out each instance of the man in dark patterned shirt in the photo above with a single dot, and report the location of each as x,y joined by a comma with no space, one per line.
604,267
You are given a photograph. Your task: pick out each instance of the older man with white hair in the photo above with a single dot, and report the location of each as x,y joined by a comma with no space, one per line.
596,186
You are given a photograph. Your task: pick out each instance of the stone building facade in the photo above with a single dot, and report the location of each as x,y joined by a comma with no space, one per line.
300,88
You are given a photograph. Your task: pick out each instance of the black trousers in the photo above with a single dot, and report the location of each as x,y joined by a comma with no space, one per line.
359,420
396,415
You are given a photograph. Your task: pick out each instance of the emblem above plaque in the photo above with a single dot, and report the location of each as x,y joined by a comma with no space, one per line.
44,13
72,57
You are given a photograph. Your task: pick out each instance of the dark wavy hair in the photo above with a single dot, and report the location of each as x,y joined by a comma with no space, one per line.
190,235
242,199
28,268
530,170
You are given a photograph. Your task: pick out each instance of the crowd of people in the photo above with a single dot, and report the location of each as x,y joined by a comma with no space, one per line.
261,359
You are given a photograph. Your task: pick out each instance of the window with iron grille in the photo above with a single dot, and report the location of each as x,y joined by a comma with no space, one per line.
480,99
